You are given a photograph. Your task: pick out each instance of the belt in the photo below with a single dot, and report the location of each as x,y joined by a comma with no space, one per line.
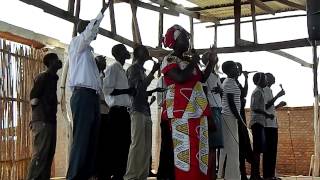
86,89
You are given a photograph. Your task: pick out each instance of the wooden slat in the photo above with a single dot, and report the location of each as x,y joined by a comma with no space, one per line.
237,24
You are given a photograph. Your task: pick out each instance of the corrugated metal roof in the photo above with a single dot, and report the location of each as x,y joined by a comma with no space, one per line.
223,9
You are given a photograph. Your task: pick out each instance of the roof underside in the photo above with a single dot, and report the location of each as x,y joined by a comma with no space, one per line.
224,9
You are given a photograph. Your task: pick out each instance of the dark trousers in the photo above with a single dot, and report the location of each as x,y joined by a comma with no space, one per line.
116,140
245,150
258,134
104,151
43,148
270,155
85,107
166,164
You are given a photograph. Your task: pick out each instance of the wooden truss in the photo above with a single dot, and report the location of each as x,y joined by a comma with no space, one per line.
171,8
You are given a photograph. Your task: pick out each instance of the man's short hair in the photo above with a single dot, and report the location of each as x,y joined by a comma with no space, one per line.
117,49
137,51
48,57
257,77
81,25
227,65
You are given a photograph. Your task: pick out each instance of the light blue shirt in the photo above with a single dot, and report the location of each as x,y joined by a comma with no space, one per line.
83,71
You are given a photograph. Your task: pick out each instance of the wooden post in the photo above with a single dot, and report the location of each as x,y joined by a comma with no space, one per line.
237,17
216,35
316,165
160,31
135,25
191,33
254,22
71,6
78,6
112,18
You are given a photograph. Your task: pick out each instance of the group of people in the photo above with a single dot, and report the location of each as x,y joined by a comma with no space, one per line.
203,122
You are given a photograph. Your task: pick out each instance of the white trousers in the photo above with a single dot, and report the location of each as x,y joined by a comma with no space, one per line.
229,155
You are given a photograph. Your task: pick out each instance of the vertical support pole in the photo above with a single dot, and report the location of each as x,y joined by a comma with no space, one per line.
135,25
78,6
237,18
316,166
216,35
71,6
191,33
160,31
254,22
112,18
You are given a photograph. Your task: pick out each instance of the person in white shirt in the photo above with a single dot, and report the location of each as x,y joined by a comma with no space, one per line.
213,86
257,123
271,129
229,157
117,95
84,81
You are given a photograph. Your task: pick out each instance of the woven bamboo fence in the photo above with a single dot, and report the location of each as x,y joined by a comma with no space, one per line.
19,65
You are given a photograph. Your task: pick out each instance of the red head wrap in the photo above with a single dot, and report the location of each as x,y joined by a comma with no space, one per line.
172,35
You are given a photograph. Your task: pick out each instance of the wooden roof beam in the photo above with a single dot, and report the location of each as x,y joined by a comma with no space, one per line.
292,4
179,8
151,7
264,7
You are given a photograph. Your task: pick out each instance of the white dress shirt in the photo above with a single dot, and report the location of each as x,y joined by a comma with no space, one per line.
116,78
214,98
83,71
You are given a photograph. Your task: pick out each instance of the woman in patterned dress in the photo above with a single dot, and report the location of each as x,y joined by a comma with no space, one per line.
186,107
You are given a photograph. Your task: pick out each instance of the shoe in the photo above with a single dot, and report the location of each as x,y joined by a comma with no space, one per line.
244,177
256,178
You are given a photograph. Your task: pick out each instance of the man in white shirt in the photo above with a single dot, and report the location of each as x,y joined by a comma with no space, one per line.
84,81
116,90
271,129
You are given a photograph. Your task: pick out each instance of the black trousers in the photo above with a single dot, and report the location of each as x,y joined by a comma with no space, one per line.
85,107
43,149
104,165
270,155
166,164
115,141
245,150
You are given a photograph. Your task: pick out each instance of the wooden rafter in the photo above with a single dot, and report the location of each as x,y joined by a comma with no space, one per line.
264,7
292,4
179,8
152,7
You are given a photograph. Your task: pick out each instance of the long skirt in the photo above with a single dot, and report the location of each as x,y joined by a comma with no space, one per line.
190,141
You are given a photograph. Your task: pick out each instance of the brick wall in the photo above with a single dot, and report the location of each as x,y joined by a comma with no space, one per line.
296,145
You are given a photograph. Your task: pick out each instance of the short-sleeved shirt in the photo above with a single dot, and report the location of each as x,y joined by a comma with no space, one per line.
230,86
45,89
257,103
137,79
214,98
268,95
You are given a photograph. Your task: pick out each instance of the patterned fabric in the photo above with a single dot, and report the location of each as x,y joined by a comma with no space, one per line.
180,131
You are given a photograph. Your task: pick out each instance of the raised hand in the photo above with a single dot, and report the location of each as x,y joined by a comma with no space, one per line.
156,67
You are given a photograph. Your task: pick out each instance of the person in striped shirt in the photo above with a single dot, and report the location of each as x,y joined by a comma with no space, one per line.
229,157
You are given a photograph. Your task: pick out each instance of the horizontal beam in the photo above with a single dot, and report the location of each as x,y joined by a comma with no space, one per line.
263,19
262,47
